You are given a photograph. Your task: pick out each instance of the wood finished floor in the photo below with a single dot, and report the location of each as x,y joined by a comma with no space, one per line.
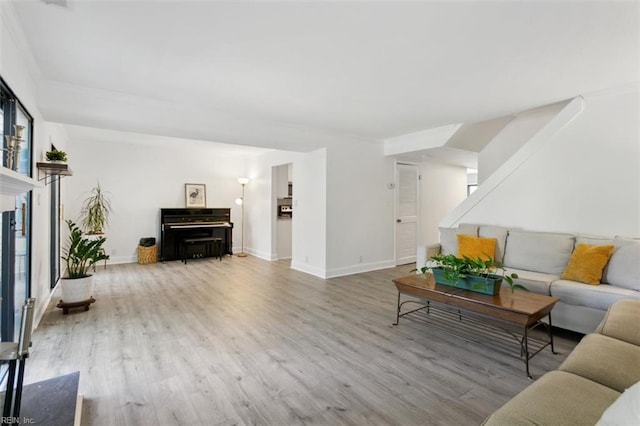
250,342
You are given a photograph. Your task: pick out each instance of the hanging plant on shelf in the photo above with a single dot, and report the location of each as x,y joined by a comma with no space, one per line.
55,155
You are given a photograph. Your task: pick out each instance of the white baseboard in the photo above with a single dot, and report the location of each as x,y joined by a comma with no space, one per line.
308,269
41,307
78,415
359,268
115,260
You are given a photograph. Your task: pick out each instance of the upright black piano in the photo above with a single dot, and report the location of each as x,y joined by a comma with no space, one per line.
178,224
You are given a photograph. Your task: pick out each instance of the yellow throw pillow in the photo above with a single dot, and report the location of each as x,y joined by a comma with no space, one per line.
474,247
587,263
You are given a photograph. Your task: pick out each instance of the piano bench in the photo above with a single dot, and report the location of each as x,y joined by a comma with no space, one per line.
208,243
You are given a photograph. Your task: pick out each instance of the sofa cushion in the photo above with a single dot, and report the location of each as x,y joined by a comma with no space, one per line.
598,297
587,263
625,410
448,240
558,398
605,360
475,247
535,282
621,321
449,237
500,234
593,240
596,241
468,229
538,251
624,266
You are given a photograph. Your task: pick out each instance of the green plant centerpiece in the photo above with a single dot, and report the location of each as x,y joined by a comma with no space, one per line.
55,155
95,211
81,253
481,275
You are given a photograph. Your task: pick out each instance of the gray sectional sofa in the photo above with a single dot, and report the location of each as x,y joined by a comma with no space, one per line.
539,259
598,383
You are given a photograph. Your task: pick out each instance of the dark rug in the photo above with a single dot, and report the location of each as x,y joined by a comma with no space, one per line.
51,402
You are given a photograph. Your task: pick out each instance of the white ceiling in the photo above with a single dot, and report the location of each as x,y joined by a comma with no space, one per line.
271,74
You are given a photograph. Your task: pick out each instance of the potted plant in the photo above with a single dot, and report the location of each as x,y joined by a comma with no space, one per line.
79,255
56,156
480,275
95,211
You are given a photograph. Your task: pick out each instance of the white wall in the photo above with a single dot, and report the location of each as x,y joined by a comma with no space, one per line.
442,188
514,135
308,240
342,208
586,179
360,208
309,223
142,178
261,235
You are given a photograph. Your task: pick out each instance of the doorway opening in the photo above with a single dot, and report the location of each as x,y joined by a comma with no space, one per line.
283,214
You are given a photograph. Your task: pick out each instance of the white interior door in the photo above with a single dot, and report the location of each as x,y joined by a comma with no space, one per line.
406,213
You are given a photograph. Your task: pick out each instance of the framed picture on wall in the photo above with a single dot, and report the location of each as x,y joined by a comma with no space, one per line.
195,195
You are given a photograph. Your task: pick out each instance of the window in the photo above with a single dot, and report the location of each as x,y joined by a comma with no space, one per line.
15,225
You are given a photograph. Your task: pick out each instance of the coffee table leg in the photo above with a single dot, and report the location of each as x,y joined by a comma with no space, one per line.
526,350
553,351
397,311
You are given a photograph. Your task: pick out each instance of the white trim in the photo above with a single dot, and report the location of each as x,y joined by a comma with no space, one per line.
264,255
307,269
359,268
78,412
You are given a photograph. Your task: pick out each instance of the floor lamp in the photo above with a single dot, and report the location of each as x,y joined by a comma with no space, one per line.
240,202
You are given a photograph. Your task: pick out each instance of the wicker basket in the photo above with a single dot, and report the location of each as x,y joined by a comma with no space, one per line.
147,254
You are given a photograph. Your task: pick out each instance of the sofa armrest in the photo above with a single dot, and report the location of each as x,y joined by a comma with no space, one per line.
424,253
433,249
621,321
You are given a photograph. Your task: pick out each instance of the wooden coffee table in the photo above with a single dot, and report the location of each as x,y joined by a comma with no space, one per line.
520,311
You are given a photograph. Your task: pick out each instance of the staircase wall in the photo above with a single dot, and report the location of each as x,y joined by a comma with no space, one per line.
580,172
513,137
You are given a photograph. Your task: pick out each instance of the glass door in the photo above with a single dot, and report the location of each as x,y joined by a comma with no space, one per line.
22,268
15,226
2,217
8,275
22,256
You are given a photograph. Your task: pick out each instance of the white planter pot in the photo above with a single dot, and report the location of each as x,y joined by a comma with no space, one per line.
77,289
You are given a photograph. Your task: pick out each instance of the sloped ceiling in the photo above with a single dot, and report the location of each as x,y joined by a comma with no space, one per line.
291,75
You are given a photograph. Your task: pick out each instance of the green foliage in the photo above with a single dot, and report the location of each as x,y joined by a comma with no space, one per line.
81,253
95,211
55,155
455,268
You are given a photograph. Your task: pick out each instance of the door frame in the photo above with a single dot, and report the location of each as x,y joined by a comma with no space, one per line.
395,205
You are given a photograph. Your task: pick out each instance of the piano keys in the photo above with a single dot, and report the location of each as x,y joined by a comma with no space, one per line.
178,224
